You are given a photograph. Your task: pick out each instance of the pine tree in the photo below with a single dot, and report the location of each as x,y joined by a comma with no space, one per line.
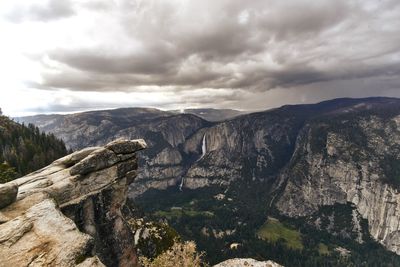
7,173
24,149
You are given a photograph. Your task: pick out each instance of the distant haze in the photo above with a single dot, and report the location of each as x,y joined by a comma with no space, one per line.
75,55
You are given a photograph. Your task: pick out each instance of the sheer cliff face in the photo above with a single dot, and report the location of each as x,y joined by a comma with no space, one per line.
70,213
163,163
349,158
252,146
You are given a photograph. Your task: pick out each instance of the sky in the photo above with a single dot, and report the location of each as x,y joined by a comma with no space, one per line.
62,56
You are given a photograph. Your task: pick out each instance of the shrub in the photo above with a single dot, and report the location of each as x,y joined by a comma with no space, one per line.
180,254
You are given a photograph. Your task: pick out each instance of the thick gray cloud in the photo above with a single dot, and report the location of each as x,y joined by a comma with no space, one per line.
247,48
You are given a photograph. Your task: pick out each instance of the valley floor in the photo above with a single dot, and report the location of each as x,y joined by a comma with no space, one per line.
238,223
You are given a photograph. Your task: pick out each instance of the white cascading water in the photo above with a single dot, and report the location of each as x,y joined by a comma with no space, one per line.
203,152
181,184
203,147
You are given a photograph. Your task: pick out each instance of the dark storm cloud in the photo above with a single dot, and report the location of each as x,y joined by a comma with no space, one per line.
237,44
159,61
247,47
293,19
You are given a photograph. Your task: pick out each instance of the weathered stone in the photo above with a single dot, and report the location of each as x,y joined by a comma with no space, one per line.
97,160
127,166
247,263
91,262
20,207
42,237
8,194
130,176
123,157
75,157
122,146
86,228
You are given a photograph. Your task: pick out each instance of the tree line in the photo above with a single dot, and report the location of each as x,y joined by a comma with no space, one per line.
24,149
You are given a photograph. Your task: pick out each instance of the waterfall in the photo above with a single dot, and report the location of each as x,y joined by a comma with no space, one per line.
203,147
181,184
203,152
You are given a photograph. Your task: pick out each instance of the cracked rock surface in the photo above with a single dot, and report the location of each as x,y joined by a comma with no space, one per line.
70,212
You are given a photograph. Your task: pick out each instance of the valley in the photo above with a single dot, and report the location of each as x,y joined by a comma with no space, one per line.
326,173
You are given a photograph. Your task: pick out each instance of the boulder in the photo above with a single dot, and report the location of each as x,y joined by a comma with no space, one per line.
97,160
247,263
121,146
8,194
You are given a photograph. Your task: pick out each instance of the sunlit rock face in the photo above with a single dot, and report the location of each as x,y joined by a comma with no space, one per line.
70,212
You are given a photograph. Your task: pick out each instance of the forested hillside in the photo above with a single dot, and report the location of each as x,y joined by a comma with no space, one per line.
24,149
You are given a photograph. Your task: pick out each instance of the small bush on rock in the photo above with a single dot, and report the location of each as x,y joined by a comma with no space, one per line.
180,254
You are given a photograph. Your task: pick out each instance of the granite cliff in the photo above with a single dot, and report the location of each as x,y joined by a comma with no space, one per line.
349,157
71,213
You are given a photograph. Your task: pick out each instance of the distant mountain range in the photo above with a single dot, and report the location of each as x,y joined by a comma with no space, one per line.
334,164
129,115
211,114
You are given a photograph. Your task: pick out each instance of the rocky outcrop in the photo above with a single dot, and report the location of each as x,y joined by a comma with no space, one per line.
247,263
71,212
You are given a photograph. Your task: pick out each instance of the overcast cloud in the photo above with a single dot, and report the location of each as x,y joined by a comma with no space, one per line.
66,55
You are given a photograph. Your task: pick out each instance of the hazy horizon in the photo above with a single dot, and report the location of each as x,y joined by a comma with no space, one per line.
182,110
